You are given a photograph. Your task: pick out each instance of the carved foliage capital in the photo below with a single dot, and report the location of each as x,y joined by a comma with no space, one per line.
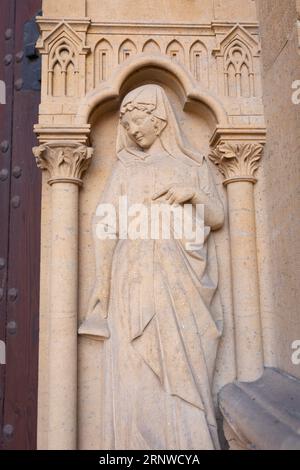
237,161
65,161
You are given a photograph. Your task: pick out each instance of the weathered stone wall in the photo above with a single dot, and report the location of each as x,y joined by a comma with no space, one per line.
160,11
278,189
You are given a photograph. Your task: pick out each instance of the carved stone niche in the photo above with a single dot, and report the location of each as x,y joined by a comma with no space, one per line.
197,115
78,409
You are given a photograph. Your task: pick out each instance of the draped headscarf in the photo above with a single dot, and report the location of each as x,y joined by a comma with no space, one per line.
153,99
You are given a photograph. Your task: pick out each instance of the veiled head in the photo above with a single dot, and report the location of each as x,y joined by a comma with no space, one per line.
138,116
146,115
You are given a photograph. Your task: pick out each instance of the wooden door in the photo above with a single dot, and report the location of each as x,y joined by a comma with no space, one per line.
20,191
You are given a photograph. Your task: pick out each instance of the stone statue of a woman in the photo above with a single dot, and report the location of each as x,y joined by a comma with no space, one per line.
155,304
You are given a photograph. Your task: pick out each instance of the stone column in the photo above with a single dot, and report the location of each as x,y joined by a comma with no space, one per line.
238,162
65,161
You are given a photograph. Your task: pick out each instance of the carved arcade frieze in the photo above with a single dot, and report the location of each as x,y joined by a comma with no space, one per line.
82,48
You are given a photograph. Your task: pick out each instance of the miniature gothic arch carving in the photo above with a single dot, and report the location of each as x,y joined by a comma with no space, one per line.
199,62
175,51
151,47
126,50
102,61
236,56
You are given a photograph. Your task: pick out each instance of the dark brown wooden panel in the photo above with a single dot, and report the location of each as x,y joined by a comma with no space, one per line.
22,204
7,20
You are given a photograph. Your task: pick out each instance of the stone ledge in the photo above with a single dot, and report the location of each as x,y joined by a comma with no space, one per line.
264,414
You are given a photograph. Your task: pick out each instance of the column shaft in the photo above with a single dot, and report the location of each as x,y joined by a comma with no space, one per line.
62,425
246,302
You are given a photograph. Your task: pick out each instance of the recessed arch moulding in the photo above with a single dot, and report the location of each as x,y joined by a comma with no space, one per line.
148,69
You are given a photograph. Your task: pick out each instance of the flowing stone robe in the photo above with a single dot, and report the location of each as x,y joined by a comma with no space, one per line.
165,320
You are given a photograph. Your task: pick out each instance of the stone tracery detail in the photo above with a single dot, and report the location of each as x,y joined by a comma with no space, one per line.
239,75
63,68
235,56
65,53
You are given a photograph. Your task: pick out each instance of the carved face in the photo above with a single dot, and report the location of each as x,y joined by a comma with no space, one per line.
141,127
